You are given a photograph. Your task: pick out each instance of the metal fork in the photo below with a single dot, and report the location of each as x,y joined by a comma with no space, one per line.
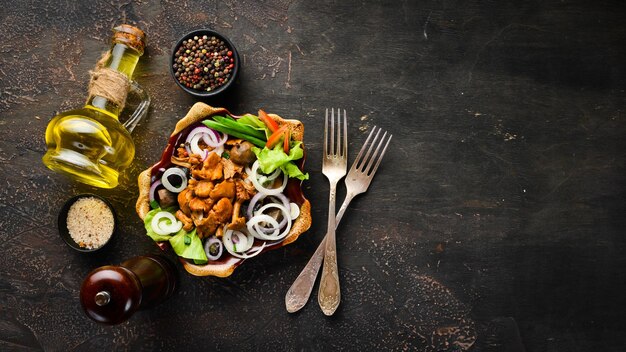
334,166
358,180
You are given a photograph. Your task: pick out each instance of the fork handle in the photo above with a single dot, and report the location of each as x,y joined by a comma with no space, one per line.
298,294
329,294
343,208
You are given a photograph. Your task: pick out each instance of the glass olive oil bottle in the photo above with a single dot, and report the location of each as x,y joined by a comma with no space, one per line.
90,144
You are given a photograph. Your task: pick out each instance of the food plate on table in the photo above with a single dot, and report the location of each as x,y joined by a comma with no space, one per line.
227,188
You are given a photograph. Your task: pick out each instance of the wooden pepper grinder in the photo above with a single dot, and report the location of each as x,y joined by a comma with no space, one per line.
112,294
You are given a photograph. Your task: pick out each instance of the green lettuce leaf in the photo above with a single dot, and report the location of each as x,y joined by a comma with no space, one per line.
147,222
185,244
188,245
292,170
272,159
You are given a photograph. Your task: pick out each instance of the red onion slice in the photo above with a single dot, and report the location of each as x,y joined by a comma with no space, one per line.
210,137
195,148
197,130
213,138
153,188
207,248
237,241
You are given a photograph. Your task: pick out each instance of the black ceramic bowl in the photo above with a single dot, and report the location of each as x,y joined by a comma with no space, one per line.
234,71
62,223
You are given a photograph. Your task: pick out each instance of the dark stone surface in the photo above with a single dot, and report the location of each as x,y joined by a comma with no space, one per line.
495,223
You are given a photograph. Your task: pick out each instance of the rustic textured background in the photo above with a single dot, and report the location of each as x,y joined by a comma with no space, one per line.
496,222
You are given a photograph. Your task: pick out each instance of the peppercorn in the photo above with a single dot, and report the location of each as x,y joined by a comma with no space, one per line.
203,63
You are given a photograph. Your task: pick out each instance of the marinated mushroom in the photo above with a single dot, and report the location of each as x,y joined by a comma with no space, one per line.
187,222
167,198
242,153
237,222
203,189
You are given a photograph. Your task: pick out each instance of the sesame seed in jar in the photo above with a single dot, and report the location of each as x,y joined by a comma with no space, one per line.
90,222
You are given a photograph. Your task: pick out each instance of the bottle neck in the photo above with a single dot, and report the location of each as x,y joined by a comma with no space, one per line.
123,59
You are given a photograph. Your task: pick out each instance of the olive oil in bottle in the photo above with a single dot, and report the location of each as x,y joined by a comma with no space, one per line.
90,144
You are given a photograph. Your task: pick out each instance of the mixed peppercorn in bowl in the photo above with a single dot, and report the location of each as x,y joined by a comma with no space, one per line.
204,63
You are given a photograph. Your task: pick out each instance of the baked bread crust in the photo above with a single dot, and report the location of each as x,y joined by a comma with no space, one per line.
198,112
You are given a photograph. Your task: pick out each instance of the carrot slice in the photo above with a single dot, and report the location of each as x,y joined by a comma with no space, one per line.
276,136
286,141
269,122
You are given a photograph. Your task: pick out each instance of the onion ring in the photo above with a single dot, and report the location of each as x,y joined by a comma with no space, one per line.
286,214
294,211
268,191
207,248
195,148
213,138
259,197
227,240
197,130
174,171
253,225
163,229
250,254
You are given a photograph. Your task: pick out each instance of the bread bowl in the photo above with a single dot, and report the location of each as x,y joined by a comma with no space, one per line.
226,264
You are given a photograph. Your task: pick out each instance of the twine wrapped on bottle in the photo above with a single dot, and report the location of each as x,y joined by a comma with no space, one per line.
108,83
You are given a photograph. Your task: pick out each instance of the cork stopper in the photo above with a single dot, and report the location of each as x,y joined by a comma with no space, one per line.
131,36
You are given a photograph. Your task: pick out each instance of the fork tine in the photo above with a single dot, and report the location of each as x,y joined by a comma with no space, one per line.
332,131
374,143
325,147
363,164
336,133
339,138
345,135
380,157
358,159
369,171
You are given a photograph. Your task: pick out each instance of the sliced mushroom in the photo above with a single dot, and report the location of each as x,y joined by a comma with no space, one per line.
183,200
243,191
237,222
207,226
199,205
203,189
222,210
187,222
211,168
225,189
